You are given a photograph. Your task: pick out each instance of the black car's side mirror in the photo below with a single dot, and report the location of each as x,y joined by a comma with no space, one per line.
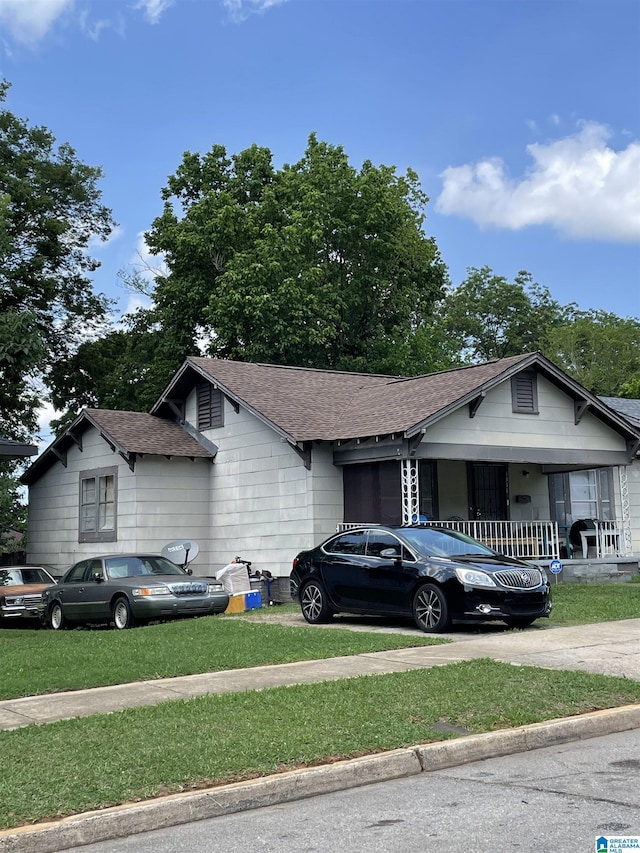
97,576
391,554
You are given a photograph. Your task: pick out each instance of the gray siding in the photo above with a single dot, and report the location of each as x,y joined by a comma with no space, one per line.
265,505
163,500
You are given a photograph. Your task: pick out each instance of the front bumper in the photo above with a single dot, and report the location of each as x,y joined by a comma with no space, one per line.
486,604
22,611
166,607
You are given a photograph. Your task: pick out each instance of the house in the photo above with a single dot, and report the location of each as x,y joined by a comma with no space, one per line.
261,460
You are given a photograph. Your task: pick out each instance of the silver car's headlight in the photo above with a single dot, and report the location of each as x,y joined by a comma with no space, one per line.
472,577
214,587
151,590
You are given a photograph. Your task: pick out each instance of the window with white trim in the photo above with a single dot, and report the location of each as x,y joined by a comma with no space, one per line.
98,505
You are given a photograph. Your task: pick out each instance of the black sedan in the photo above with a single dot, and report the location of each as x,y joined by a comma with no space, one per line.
128,589
432,574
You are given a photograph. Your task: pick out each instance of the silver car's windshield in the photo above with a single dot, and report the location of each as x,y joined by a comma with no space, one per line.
131,567
443,543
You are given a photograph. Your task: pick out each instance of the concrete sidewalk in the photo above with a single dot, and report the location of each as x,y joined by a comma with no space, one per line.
609,648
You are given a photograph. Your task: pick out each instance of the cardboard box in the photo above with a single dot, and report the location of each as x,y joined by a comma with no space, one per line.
242,601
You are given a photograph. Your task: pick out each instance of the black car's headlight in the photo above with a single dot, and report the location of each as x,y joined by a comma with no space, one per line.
472,577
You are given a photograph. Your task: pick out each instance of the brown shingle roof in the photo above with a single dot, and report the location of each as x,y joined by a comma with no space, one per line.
129,432
328,405
138,432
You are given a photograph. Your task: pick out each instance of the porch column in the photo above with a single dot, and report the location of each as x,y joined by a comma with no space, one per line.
626,511
410,491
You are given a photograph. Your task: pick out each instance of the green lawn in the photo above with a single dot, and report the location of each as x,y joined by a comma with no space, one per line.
40,661
583,603
87,763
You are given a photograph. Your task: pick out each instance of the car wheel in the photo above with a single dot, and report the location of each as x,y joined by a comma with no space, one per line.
313,601
430,609
122,615
521,621
56,616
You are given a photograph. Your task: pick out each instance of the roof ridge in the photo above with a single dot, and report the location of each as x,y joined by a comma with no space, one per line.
299,367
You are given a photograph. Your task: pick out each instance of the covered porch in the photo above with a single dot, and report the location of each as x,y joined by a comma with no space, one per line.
518,509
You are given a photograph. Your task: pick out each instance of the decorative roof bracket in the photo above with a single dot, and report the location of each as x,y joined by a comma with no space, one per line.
474,405
304,453
60,454
177,407
579,408
413,443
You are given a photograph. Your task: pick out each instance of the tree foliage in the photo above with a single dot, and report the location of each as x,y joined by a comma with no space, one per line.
315,264
490,317
599,349
49,210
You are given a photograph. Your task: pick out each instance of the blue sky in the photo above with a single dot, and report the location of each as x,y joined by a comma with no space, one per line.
522,117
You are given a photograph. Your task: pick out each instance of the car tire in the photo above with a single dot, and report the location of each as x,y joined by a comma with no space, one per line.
430,609
314,604
56,616
521,621
123,618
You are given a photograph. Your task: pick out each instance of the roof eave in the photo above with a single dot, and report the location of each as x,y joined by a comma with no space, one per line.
235,398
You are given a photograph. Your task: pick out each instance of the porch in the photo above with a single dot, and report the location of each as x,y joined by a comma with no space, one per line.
537,540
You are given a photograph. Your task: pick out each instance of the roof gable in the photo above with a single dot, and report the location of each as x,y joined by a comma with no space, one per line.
128,433
304,404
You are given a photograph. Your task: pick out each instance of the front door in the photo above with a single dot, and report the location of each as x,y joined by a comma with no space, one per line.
487,482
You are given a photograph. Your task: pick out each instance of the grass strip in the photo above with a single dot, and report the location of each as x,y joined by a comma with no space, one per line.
586,603
87,763
37,661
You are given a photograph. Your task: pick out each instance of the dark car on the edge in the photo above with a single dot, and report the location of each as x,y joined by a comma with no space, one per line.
129,589
432,574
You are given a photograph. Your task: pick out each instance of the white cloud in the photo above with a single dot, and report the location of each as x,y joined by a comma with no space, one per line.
153,9
27,21
577,184
240,10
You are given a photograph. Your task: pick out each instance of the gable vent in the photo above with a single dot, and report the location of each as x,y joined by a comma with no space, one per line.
210,408
524,393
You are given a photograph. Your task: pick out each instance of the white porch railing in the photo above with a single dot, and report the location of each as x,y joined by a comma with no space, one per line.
533,540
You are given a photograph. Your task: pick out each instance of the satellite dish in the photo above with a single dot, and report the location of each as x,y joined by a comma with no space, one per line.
181,552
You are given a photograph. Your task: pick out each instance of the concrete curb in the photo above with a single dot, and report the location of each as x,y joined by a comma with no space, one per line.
121,821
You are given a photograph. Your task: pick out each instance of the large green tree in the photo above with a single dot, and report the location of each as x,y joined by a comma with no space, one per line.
49,211
599,349
316,264
490,317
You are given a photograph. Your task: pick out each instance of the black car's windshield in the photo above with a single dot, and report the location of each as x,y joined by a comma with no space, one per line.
10,577
130,567
435,542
